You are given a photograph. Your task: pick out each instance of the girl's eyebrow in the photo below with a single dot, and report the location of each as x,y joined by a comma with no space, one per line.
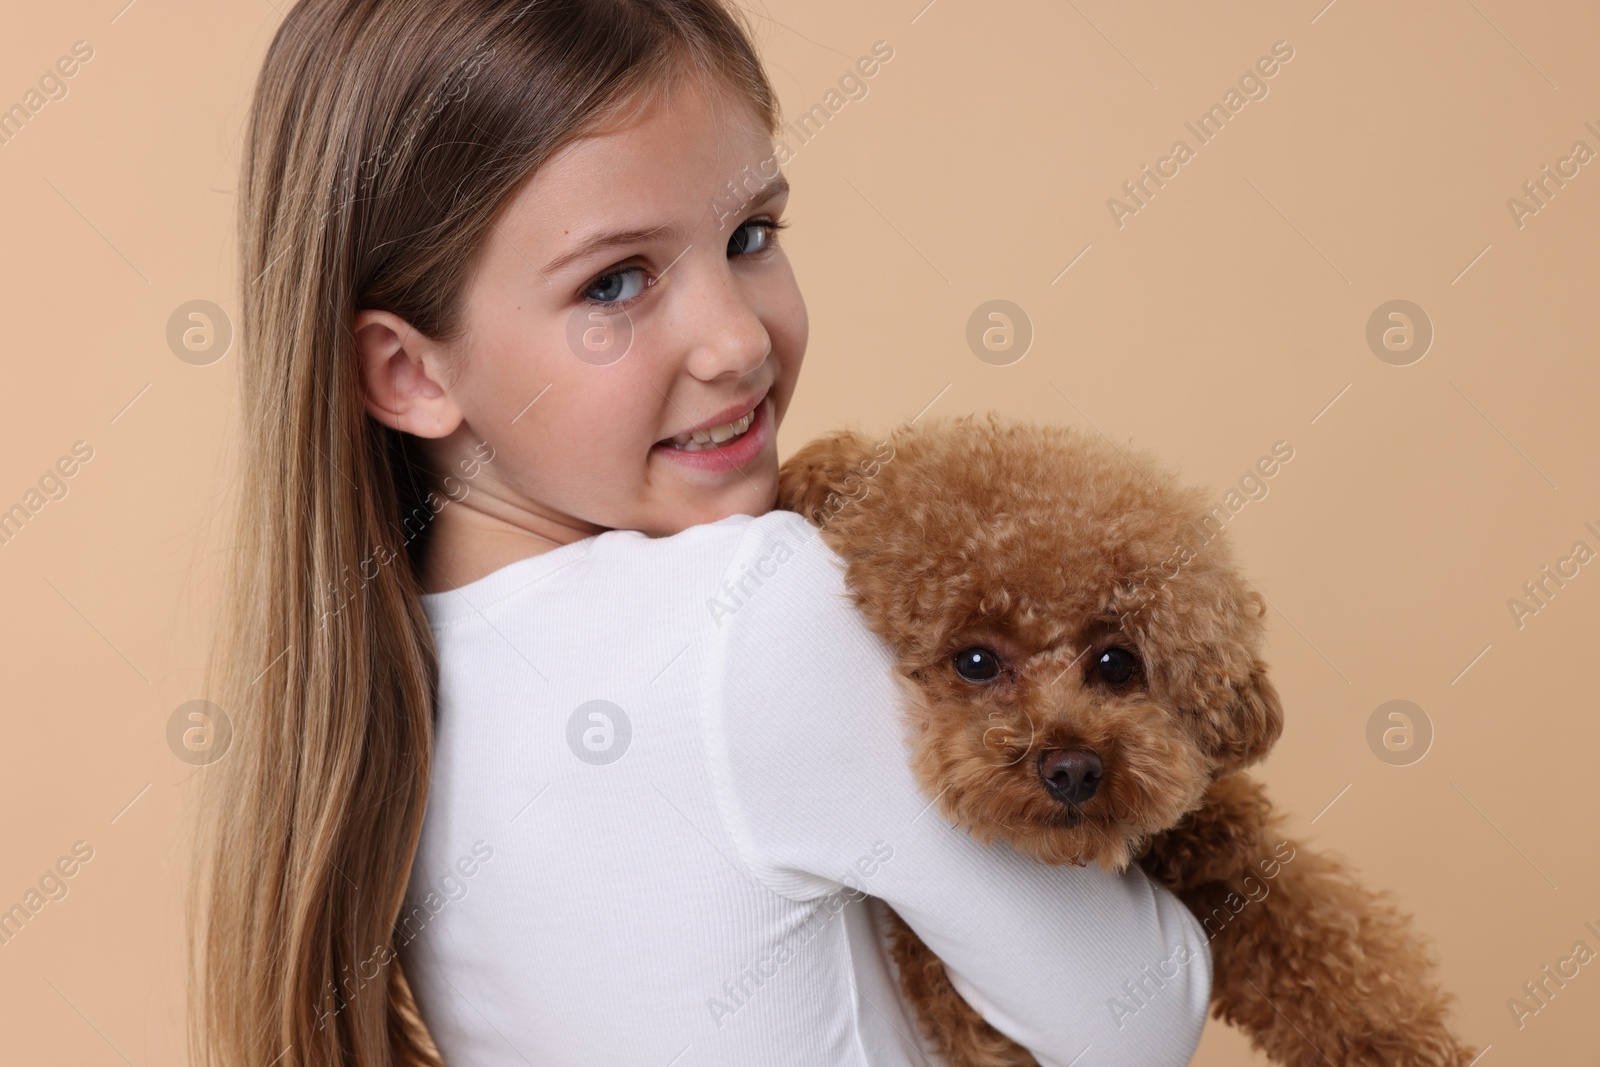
611,238
608,239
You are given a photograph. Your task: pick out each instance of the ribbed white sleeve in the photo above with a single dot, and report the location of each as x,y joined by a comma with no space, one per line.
653,778
801,715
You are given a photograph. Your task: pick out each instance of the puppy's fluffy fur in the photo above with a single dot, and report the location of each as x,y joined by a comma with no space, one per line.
1086,684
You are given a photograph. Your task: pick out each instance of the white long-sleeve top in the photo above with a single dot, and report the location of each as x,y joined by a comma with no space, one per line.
668,769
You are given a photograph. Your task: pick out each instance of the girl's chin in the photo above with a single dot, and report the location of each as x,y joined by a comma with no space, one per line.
746,499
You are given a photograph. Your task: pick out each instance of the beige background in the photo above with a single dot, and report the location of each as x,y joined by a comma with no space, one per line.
1228,314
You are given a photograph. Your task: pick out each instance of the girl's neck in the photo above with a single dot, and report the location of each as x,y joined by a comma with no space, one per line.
469,543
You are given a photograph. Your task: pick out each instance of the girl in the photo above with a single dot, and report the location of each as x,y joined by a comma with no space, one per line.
555,743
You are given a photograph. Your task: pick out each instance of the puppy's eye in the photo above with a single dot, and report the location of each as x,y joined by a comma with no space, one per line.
977,664
1116,665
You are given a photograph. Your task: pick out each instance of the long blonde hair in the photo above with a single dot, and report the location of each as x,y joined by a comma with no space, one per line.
384,138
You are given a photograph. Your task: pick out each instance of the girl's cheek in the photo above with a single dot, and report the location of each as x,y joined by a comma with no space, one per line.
796,329
795,302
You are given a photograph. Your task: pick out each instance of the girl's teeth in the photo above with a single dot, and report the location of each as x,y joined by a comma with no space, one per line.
703,439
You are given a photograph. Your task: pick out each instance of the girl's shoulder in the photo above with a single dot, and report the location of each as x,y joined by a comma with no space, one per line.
634,568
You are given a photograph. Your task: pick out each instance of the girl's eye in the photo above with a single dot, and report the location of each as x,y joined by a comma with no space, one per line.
744,241
613,287
617,288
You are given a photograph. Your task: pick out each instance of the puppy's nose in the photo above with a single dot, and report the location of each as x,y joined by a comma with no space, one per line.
1072,775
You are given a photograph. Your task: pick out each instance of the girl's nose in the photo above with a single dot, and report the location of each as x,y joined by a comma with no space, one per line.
724,333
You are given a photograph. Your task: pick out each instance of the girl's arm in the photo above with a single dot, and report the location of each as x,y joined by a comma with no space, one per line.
814,785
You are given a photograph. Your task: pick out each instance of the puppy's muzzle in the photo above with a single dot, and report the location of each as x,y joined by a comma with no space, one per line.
1071,775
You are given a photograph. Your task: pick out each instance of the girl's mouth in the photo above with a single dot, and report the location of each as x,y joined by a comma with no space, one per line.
724,447
701,440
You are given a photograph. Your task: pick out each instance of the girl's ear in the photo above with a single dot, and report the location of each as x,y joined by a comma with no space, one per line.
822,473
402,376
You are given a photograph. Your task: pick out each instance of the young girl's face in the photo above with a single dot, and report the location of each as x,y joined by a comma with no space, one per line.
626,296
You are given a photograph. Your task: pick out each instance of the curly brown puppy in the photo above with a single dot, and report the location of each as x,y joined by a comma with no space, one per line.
1085,664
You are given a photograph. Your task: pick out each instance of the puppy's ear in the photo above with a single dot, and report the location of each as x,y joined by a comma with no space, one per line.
826,474
1249,726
